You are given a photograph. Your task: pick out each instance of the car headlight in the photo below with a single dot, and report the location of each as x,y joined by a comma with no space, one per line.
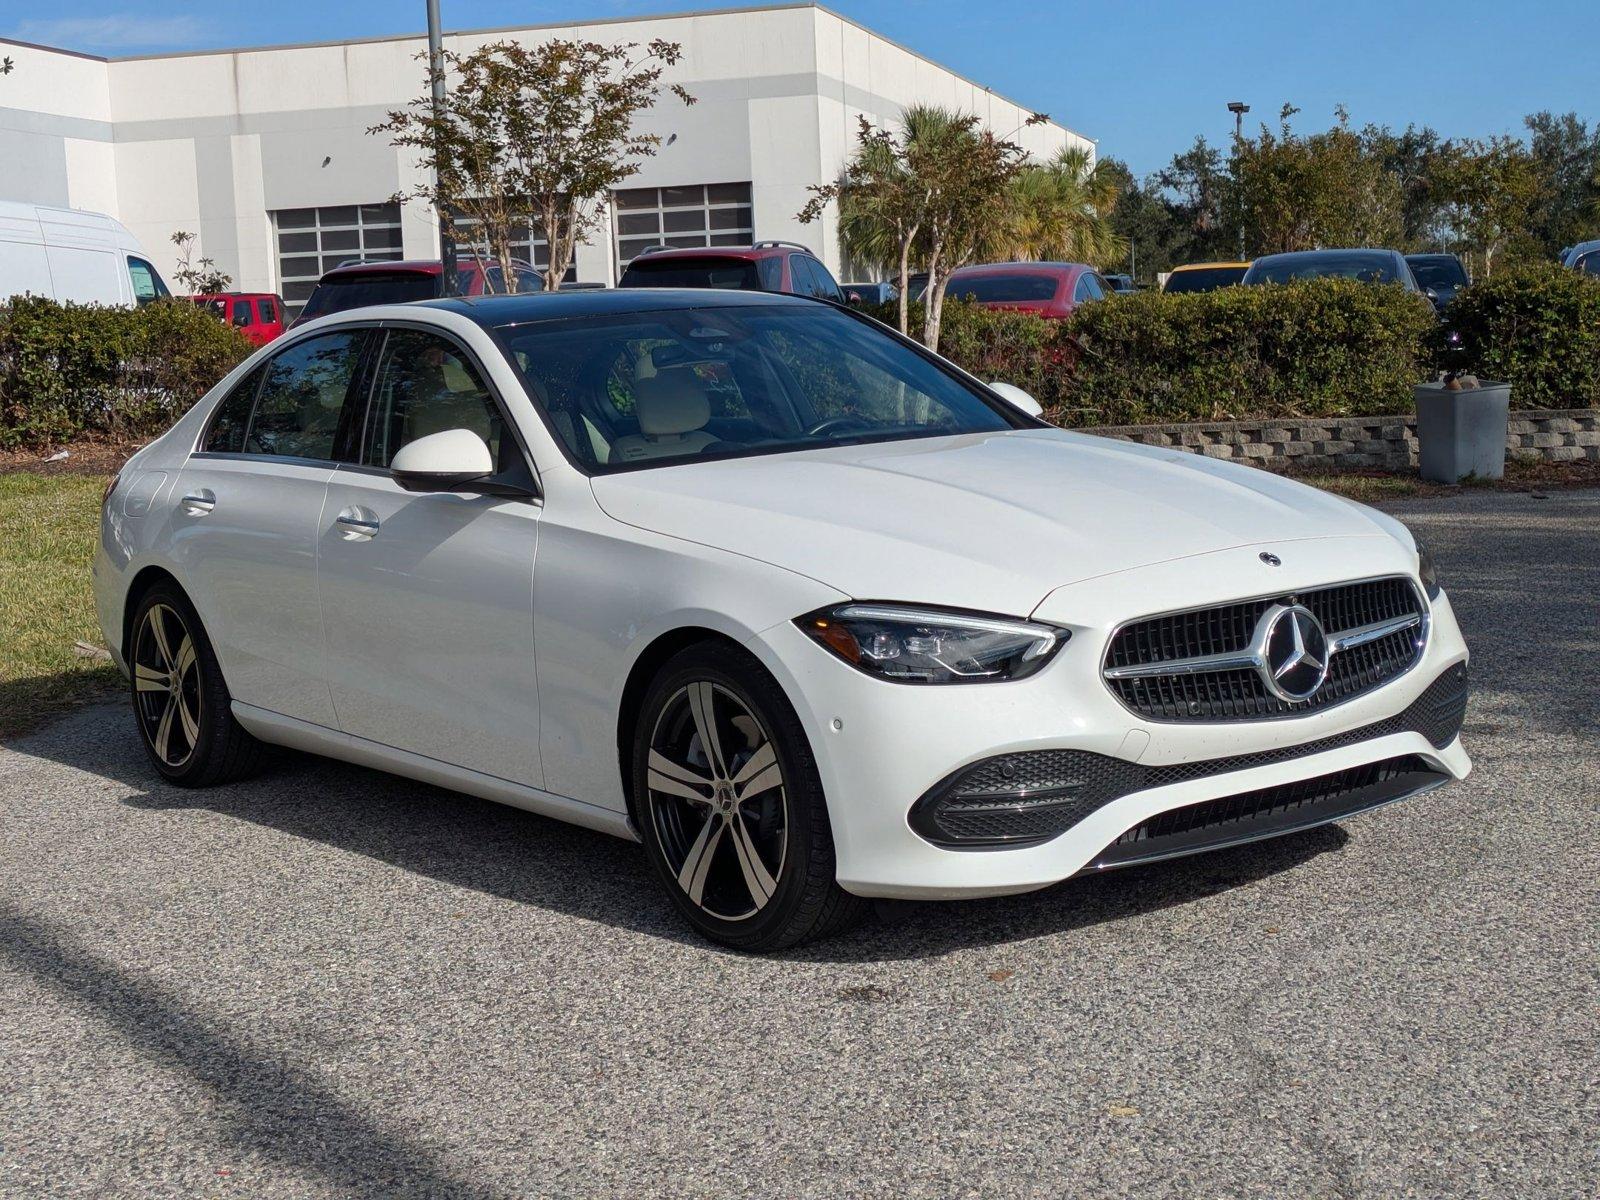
1428,573
923,645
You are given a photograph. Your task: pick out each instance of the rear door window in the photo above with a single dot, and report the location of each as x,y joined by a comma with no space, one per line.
267,311
232,418
344,292
303,394
709,272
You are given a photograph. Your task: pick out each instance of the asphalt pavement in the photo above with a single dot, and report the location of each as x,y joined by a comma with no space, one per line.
330,982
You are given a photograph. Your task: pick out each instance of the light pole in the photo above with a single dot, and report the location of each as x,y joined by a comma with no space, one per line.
447,241
1238,108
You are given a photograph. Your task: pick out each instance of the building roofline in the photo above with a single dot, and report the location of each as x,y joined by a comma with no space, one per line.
5,41
422,35
779,6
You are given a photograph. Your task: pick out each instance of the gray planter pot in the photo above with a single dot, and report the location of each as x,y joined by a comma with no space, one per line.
1462,433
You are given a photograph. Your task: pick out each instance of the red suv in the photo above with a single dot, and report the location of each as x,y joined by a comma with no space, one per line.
763,267
257,315
362,284
1051,289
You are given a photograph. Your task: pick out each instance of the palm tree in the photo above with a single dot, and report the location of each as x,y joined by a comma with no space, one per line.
1060,209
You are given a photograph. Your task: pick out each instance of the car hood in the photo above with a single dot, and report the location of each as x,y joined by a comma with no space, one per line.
983,521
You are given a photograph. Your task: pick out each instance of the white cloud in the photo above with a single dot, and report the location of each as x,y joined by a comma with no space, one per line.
121,31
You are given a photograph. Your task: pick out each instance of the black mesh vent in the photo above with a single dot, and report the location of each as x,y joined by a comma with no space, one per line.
1239,695
1231,819
1019,799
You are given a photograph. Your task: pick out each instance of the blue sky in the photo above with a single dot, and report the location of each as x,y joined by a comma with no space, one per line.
1143,78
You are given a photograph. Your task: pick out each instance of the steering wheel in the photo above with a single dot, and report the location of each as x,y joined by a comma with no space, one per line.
833,423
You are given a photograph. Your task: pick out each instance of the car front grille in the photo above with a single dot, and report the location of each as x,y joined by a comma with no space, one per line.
1267,812
1032,796
1240,693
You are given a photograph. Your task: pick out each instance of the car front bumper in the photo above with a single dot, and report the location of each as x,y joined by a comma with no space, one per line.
881,747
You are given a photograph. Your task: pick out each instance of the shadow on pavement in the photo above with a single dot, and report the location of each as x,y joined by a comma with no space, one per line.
515,855
273,1109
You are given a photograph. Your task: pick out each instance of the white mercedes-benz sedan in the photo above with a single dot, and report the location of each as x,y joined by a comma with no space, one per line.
805,609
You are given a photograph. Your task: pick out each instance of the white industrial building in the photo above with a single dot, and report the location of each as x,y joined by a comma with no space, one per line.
264,152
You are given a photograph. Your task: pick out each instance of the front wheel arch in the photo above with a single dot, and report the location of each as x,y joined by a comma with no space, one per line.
643,672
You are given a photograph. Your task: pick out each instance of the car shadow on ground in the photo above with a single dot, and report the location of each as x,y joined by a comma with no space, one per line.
515,855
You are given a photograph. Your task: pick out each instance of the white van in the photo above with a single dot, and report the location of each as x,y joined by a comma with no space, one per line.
70,255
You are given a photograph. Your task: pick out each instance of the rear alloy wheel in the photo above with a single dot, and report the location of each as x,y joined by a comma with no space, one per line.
730,805
180,700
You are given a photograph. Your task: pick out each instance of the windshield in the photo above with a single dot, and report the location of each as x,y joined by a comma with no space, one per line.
1364,268
1204,279
654,388
1009,288
1441,274
735,273
343,292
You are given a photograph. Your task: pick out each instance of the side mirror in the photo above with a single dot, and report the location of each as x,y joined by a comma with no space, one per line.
441,462
1017,397
1431,294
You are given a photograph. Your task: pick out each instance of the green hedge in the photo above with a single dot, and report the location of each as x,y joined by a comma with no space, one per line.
70,370
1323,348
1539,328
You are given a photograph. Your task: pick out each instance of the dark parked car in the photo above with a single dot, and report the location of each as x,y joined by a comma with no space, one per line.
1051,289
870,293
1364,266
363,284
1440,276
1122,285
762,267
1585,257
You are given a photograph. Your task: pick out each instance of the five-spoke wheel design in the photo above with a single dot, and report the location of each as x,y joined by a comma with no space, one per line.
167,685
716,801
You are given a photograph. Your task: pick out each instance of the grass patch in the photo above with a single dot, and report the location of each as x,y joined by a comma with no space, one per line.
48,526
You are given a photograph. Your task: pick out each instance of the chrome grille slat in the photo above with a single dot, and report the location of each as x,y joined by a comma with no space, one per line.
1231,694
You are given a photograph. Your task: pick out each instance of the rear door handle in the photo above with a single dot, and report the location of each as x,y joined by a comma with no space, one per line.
199,503
356,523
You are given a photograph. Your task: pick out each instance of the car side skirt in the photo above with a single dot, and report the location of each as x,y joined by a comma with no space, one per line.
280,730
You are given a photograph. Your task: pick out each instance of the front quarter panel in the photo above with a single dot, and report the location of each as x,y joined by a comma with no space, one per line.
604,592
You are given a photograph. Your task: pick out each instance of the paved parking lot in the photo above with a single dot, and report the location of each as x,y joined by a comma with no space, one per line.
329,982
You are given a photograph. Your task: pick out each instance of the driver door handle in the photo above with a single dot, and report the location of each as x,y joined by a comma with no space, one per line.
356,523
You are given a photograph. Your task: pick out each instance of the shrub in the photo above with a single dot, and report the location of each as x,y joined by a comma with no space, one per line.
67,370
1320,348
1537,327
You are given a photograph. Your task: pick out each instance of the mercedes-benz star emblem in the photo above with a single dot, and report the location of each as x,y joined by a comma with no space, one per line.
1271,559
1294,652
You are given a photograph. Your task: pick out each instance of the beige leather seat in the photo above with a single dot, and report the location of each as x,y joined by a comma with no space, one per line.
672,408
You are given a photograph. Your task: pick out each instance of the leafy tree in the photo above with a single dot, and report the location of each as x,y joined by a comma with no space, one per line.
1324,189
1060,210
1415,158
880,207
533,136
203,277
932,192
1203,188
1566,155
1492,188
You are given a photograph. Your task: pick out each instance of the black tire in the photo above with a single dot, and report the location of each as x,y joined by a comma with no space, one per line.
188,730
806,901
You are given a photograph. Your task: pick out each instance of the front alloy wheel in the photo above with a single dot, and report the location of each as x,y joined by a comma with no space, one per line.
716,801
730,806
